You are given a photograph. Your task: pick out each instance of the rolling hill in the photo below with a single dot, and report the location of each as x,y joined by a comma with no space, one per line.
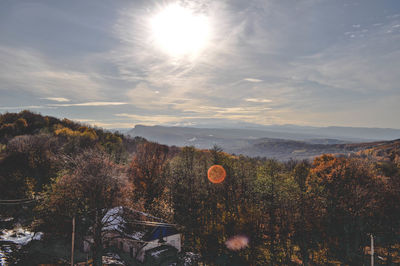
292,142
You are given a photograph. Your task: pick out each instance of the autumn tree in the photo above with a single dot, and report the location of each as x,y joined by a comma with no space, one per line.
29,162
146,171
388,212
184,188
91,186
198,204
306,217
273,189
348,188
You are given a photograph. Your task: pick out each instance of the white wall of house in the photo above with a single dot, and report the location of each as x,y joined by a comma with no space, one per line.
126,244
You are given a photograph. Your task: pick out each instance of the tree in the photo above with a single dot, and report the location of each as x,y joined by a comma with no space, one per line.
348,189
146,171
88,190
27,157
388,214
271,190
304,226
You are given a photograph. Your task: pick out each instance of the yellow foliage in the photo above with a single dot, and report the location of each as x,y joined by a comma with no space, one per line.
88,133
66,132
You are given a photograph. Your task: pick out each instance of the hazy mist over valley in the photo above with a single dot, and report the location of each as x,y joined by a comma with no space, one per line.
280,142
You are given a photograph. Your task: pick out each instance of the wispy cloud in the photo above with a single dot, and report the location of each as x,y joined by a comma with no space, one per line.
83,120
153,119
180,119
113,125
176,77
252,80
232,110
258,100
56,99
27,71
89,104
23,107
195,113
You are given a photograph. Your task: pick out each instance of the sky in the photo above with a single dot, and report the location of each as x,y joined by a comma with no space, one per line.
116,64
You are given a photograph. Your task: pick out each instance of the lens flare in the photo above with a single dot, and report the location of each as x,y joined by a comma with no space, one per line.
216,174
237,242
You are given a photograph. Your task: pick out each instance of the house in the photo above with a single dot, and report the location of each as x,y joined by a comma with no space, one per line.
159,236
118,233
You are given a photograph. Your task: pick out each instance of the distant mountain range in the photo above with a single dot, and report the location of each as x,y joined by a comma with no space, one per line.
280,142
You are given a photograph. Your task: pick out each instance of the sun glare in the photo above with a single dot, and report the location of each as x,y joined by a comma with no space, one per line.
179,31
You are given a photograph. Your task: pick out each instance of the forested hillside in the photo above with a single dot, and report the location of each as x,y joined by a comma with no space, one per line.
318,212
33,148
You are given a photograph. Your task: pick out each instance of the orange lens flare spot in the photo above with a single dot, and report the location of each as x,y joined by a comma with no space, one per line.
237,242
216,174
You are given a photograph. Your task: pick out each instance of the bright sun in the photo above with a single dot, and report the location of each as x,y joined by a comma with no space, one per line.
179,31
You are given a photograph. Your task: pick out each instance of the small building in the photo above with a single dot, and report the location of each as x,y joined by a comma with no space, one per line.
118,234
159,236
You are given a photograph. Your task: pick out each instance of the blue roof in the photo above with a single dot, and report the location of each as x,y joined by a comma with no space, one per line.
160,232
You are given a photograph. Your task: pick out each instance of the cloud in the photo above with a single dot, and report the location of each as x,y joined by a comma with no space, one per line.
179,119
178,78
194,113
57,99
83,120
24,107
257,100
252,80
89,104
231,110
153,119
354,67
29,71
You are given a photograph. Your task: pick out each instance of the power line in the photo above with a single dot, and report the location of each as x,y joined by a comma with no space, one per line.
18,201
13,203
149,223
8,200
36,197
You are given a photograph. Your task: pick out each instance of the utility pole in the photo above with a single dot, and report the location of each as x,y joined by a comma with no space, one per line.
73,241
372,250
